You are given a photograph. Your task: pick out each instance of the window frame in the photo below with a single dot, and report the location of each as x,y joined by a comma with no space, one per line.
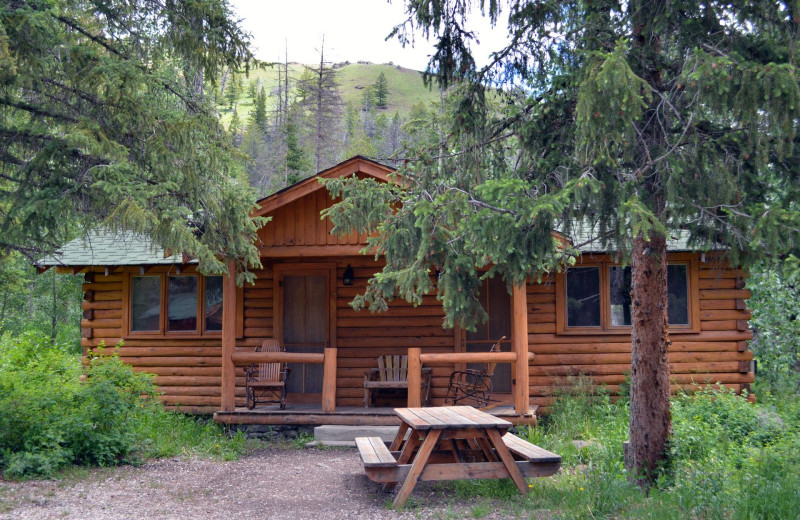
605,263
163,330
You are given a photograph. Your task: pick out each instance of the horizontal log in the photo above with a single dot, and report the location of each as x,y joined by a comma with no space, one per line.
115,304
385,320
258,303
378,342
392,312
258,332
718,325
398,332
246,358
470,357
717,304
126,351
719,283
191,400
721,294
258,322
540,298
544,308
715,273
102,323
617,338
99,287
622,368
257,312
252,294
615,379
600,359
173,361
107,334
106,296
717,315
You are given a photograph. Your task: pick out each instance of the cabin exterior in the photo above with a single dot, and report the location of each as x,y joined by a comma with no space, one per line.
198,333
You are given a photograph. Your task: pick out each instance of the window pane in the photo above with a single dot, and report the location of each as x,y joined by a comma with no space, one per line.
145,303
583,297
678,294
619,281
182,303
213,306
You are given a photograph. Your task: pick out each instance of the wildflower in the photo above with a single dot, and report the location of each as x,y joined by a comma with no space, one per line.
530,485
581,489
218,447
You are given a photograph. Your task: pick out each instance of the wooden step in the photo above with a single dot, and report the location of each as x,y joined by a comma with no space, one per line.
530,452
374,453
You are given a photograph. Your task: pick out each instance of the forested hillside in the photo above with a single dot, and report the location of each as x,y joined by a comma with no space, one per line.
292,120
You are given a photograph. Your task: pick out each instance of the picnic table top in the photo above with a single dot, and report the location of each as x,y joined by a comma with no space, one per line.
449,417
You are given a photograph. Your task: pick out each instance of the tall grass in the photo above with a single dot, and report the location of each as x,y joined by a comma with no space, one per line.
728,459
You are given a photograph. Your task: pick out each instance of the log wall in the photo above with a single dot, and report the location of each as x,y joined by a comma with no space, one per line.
716,353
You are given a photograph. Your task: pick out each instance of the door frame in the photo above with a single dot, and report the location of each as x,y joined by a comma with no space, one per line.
279,270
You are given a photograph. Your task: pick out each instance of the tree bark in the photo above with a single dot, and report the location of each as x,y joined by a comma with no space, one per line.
650,415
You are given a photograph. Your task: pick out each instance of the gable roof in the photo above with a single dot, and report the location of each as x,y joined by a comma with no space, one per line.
354,165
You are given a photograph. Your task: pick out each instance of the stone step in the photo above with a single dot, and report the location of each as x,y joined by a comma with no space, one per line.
336,435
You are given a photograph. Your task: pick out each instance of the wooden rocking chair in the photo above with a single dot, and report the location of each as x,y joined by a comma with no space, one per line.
266,382
473,387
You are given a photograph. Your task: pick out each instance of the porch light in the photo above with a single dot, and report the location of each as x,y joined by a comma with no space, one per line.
347,277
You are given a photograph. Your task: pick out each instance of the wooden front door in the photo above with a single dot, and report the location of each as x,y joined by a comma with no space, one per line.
304,327
497,302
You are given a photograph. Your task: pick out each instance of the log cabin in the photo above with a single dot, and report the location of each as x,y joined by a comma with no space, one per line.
197,333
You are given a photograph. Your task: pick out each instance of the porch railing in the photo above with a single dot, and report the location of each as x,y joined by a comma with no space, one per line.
327,359
416,359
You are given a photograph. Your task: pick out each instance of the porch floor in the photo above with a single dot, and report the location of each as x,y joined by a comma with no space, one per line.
312,414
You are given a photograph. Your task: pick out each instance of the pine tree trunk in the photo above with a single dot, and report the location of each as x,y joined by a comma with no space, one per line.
650,415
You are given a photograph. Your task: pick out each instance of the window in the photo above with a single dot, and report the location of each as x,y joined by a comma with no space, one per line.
596,298
193,304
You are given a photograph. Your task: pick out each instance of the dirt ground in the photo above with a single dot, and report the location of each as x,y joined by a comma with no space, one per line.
275,483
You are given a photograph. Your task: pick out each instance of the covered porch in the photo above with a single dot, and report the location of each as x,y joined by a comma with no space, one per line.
515,407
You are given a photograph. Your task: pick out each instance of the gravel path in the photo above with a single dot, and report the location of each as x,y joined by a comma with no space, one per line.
268,484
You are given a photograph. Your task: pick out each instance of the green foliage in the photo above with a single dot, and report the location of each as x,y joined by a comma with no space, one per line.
51,417
729,459
114,128
259,113
381,89
775,305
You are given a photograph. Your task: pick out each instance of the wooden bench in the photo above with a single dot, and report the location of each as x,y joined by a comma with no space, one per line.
374,453
392,374
530,452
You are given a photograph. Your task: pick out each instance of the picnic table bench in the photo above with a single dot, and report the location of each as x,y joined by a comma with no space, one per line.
451,443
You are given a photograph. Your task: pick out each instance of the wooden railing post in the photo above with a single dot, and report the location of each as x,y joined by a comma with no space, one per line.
519,340
228,390
414,378
329,381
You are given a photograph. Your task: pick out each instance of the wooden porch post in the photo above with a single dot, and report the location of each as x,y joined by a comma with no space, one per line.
228,339
329,381
519,335
414,378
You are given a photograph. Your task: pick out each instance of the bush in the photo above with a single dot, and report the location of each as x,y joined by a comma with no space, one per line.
51,417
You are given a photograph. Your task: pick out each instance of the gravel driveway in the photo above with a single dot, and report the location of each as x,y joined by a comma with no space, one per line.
276,483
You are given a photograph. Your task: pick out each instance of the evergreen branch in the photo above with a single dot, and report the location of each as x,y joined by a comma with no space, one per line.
191,105
27,107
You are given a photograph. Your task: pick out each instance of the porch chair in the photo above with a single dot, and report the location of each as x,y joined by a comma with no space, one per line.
392,374
473,387
266,382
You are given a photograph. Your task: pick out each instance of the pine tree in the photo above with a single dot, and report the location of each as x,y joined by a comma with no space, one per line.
323,105
259,112
107,130
635,121
235,127
381,90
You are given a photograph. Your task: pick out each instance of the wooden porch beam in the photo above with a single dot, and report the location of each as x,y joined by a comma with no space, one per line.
229,339
519,340
329,381
414,378
311,251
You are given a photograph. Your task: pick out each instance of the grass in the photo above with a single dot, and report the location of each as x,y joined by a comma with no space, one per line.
728,459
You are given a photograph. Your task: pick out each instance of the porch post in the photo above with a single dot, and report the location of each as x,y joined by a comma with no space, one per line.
228,339
414,378
519,336
329,381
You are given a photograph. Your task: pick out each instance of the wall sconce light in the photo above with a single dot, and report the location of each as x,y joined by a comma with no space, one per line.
347,277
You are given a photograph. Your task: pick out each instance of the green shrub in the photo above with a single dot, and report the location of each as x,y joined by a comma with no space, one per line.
51,417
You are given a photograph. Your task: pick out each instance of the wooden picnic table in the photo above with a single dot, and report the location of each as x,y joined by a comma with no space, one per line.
451,443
